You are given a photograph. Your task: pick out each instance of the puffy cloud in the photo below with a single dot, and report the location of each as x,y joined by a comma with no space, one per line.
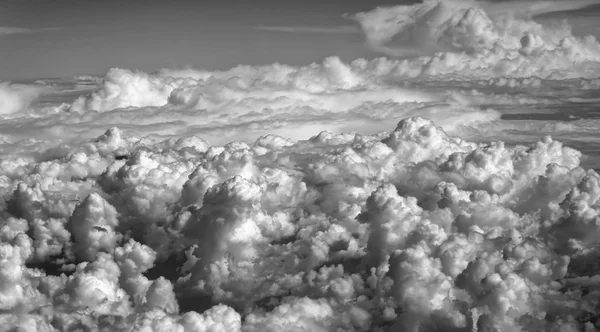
463,94
123,88
94,287
15,98
407,229
269,198
306,314
219,318
134,259
93,226
467,37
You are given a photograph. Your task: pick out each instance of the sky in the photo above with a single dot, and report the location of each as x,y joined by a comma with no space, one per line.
63,38
71,37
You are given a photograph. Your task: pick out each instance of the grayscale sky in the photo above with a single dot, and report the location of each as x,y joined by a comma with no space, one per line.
59,38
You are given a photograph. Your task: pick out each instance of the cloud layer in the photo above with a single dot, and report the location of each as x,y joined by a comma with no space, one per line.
410,229
416,194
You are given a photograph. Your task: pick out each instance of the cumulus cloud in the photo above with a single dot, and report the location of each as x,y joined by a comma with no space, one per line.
409,229
483,34
416,194
247,102
15,98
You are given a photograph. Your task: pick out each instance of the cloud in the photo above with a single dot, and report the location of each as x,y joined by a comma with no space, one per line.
7,31
335,232
383,194
15,98
246,102
344,29
486,31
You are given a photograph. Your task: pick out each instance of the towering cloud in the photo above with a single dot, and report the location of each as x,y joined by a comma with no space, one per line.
469,35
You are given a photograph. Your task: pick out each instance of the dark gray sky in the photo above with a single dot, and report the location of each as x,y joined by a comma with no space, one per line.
59,38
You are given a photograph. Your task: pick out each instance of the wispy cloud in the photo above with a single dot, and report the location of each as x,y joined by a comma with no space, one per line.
342,29
7,31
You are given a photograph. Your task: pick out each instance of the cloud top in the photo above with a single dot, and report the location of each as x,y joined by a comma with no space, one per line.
407,229
481,33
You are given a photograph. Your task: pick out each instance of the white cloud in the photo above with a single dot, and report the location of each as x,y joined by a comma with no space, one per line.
331,233
190,200
481,34
15,98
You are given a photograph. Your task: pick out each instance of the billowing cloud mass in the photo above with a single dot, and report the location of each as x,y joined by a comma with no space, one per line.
484,36
17,97
406,230
392,194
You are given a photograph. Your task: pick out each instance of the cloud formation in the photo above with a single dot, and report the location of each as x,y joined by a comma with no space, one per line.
245,199
485,32
410,229
17,97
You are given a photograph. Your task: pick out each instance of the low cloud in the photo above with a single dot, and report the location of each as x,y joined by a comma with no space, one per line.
403,230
